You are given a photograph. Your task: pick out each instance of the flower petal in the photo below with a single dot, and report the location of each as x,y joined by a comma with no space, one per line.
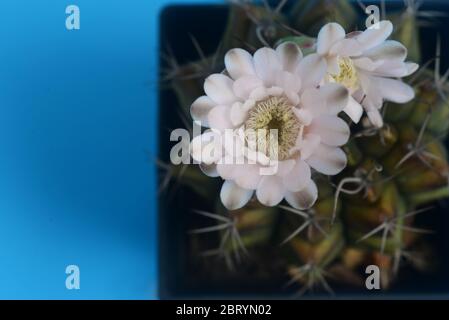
375,35
245,85
239,63
219,118
259,94
219,88
288,81
304,116
238,114
367,64
270,191
233,197
411,68
284,167
332,130
206,148
369,93
248,176
226,171
311,70
336,97
209,170
293,97
289,54
298,178
395,90
388,50
308,145
303,199
396,69
372,101
267,65
347,48
200,110
313,102
333,66
353,109
375,117
328,36
327,160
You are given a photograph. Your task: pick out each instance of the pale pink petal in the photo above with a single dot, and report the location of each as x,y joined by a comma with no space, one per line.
209,170
259,94
328,36
411,68
227,171
256,157
312,70
206,148
373,101
267,65
332,130
375,35
288,81
371,97
395,90
347,48
336,97
233,145
327,160
275,91
238,114
375,117
388,50
293,97
303,199
392,68
313,102
396,69
333,66
245,85
367,64
308,145
365,82
284,167
289,54
304,116
270,191
353,109
248,176
200,110
219,118
219,88
239,63
298,178
234,197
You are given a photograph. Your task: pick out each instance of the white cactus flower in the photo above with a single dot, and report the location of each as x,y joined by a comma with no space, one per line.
368,65
274,89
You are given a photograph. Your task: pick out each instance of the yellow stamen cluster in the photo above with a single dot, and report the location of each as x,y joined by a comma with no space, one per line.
348,74
276,127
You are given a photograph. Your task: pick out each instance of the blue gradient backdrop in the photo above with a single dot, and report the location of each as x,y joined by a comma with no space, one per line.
78,119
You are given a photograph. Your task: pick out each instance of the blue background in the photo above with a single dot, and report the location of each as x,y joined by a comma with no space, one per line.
78,120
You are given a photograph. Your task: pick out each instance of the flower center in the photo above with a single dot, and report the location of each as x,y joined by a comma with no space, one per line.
274,126
348,74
